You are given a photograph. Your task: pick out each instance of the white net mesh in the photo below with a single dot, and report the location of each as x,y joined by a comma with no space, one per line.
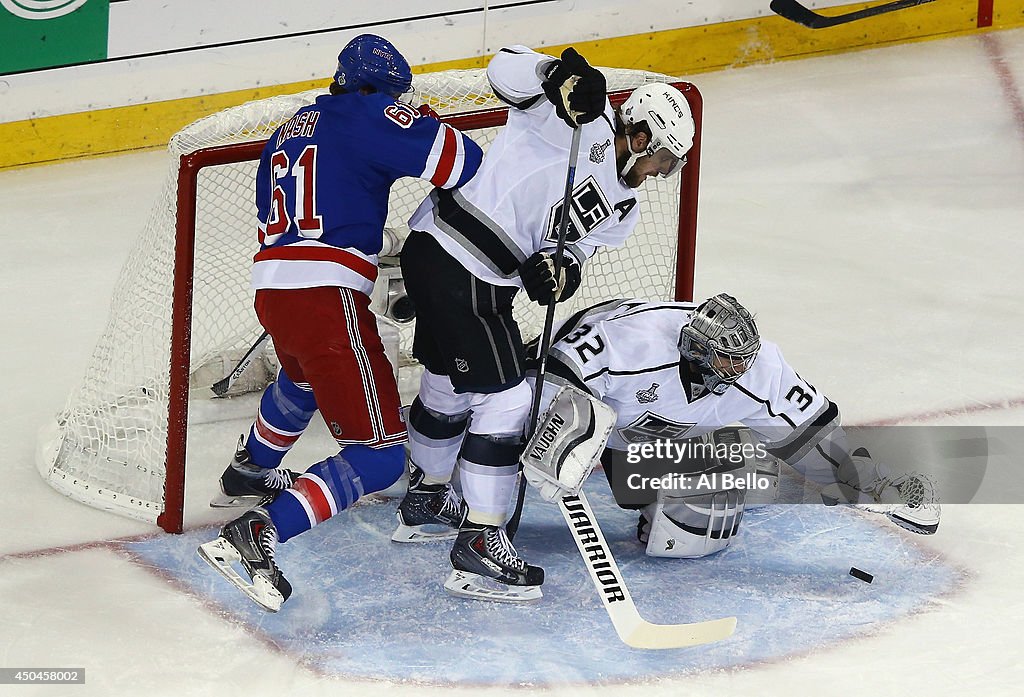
108,447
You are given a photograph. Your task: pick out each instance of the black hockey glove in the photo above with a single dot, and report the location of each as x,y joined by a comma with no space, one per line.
538,276
577,103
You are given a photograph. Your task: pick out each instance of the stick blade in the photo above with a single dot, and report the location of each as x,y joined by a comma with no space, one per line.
220,388
646,635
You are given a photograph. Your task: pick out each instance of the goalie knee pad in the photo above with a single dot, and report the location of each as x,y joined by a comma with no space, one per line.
692,526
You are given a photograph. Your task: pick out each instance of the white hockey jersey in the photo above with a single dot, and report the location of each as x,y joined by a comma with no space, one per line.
511,208
625,353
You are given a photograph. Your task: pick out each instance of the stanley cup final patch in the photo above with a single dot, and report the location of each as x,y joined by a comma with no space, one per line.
649,395
597,151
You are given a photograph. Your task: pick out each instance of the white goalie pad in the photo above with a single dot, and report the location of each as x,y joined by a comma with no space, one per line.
760,474
693,526
568,442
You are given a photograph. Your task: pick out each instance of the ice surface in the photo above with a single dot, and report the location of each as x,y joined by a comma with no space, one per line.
390,618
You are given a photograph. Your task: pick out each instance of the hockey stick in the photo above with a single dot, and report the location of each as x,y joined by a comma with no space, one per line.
221,387
633,629
795,12
549,321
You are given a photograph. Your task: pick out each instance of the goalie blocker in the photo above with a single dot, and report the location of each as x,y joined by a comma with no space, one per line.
699,516
567,443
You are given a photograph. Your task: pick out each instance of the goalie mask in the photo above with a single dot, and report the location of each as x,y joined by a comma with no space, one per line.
667,114
722,340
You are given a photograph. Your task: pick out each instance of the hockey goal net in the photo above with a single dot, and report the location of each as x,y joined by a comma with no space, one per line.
182,304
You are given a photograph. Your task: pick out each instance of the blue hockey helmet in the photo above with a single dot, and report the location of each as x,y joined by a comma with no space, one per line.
372,61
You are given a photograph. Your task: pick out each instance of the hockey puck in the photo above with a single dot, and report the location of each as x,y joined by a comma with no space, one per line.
862,575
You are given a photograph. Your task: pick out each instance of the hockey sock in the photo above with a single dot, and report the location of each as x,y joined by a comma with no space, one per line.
488,473
434,441
285,411
333,485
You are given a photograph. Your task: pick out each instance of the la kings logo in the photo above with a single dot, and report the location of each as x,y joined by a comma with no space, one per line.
588,209
651,427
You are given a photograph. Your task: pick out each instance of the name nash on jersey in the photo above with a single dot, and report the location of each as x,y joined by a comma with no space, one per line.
301,125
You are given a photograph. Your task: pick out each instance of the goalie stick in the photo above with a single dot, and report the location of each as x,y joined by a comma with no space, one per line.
633,629
795,12
221,387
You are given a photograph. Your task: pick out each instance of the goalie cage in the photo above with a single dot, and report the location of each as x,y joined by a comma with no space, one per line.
182,302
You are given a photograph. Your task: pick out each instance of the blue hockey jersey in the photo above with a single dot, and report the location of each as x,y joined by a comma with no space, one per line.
323,184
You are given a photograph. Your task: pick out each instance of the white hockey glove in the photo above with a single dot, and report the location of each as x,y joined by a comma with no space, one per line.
568,442
908,500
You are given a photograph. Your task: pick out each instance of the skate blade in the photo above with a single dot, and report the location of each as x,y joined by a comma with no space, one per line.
223,500
463,584
423,533
220,554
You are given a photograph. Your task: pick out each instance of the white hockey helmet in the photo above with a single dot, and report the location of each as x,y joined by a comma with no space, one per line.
668,117
721,338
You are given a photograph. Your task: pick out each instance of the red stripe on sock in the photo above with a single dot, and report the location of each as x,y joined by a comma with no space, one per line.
271,436
310,490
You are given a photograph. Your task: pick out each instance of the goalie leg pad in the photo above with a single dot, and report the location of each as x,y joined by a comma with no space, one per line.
757,462
689,527
568,442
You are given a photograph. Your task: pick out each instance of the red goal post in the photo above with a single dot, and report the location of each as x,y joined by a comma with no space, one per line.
94,457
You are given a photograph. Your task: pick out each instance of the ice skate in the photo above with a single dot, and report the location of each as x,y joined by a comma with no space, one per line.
428,511
487,567
247,484
250,542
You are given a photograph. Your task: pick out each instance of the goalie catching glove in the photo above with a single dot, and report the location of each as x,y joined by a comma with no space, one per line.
568,442
538,276
577,90
908,500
